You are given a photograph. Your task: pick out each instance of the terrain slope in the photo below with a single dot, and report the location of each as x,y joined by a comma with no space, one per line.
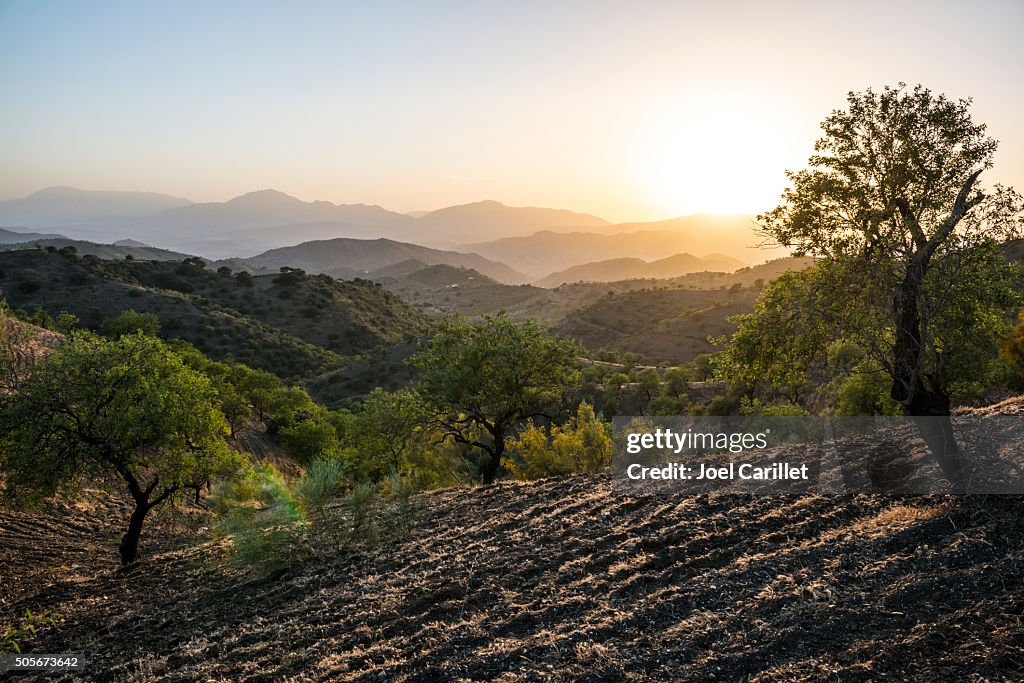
553,580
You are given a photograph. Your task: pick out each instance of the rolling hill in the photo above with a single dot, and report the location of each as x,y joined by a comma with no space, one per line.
266,219
124,249
664,326
293,325
347,258
629,268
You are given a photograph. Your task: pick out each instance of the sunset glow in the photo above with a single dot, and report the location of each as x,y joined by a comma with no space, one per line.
637,111
723,159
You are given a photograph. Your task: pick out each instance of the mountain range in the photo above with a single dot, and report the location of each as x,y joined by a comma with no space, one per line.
549,251
630,268
60,207
266,219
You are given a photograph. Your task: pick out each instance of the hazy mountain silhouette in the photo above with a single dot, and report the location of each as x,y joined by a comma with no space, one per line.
491,220
8,236
348,258
629,268
547,251
533,240
265,219
58,207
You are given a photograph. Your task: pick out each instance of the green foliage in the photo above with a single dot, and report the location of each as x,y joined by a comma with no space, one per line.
131,321
262,518
96,407
127,413
478,381
389,427
890,204
582,444
676,382
668,405
783,341
1012,351
273,522
649,382
865,391
754,406
310,440
65,322
13,637
320,486
241,323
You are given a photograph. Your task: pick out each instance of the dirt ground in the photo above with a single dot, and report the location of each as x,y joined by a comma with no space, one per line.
553,580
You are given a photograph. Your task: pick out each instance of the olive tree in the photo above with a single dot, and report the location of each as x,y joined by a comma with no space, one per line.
124,413
479,382
907,240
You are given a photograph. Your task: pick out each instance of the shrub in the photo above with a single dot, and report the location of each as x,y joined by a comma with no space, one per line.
583,444
273,523
261,516
131,321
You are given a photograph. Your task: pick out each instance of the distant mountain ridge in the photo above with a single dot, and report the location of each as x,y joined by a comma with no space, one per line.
629,268
348,258
548,252
57,207
530,240
509,220
8,236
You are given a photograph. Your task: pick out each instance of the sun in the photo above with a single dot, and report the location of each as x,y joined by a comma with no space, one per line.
713,161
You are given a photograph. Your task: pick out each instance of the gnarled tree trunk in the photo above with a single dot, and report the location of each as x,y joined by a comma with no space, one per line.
923,396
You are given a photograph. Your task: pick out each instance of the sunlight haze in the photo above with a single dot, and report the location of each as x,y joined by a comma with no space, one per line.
628,111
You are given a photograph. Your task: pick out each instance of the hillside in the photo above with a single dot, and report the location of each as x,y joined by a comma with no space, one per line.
295,325
662,325
555,580
630,268
347,258
386,368
125,248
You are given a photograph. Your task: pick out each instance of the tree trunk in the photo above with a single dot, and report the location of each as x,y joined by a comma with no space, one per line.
490,468
130,541
920,399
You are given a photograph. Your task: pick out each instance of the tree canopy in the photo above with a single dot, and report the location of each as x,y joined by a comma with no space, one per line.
910,268
479,381
124,413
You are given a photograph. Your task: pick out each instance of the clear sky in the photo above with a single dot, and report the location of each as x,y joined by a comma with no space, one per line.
630,110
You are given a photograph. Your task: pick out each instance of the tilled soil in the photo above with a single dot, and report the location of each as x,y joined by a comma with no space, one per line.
553,580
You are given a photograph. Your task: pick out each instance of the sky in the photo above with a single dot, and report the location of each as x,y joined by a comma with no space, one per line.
629,110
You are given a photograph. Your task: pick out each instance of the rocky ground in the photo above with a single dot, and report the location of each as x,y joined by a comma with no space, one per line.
555,580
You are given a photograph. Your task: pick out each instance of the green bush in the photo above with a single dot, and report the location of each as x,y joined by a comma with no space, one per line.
273,523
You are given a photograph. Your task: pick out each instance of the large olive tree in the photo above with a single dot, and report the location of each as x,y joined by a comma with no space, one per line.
891,205
125,414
